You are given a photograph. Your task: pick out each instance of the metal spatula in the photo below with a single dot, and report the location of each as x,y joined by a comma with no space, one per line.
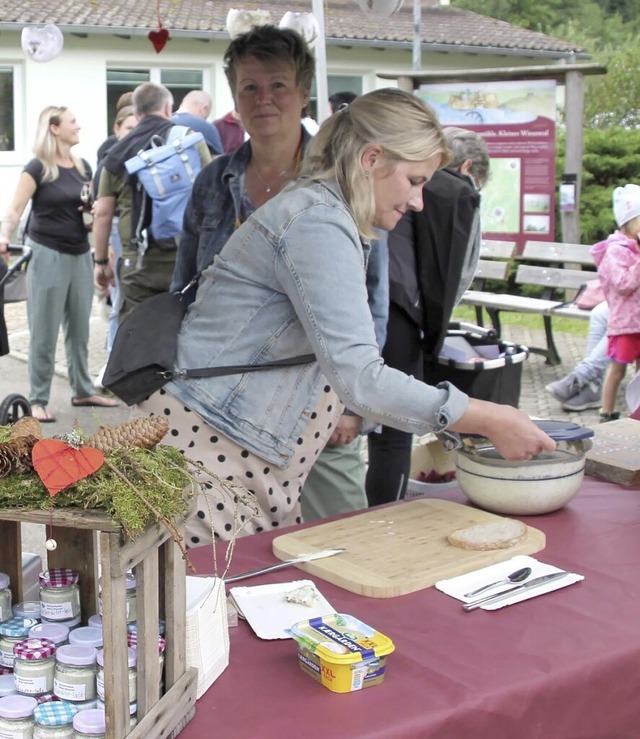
286,563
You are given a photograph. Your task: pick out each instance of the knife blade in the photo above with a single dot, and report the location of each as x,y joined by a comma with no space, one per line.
496,597
300,559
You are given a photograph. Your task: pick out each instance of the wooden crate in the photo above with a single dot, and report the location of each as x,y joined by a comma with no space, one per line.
86,539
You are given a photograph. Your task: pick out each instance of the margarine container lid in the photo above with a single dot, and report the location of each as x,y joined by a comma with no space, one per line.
341,638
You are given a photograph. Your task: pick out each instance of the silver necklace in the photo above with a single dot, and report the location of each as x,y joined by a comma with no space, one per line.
267,186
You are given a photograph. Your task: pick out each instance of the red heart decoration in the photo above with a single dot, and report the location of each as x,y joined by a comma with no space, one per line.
59,465
158,38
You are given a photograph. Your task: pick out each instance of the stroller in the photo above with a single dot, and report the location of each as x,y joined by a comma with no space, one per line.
13,289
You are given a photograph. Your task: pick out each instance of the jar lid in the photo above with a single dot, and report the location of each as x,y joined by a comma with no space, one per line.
17,706
95,620
132,657
56,632
4,580
132,641
46,697
58,577
88,636
90,721
70,623
76,654
55,713
34,648
27,609
7,685
17,626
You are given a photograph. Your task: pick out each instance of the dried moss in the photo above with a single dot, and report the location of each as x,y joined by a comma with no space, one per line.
159,475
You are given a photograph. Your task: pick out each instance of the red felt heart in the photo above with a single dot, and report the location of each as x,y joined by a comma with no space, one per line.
158,38
59,465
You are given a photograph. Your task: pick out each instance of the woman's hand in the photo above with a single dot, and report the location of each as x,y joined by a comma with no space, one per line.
347,429
4,249
511,431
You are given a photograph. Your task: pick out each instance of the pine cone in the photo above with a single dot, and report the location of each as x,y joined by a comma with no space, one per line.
15,455
26,426
143,433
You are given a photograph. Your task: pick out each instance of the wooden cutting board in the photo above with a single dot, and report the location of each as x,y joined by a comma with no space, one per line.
399,549
615,455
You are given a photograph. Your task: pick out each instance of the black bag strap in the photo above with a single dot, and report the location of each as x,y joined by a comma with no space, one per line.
236,369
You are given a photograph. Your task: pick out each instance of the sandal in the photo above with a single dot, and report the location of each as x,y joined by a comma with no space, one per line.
40,413
95,401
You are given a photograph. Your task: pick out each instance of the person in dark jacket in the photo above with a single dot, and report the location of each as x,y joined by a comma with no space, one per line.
432,259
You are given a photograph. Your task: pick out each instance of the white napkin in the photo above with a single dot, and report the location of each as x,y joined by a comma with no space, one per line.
270,614
456,587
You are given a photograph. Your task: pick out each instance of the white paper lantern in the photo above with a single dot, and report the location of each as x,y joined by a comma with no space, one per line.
241,21
304,23
42,43
380,7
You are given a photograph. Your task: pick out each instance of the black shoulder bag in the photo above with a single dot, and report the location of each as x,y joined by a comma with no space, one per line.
142,359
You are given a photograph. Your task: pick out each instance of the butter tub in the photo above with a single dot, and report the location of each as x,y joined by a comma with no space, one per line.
341,652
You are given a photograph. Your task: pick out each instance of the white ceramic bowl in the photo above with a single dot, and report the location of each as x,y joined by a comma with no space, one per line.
540,485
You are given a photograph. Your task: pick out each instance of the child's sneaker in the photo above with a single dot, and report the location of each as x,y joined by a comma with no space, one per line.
606,417
590,396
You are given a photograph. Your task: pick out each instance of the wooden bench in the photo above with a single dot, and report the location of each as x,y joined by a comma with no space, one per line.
494,264
557,267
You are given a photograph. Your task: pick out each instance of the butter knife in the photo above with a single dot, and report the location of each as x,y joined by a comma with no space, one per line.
503,594
300,559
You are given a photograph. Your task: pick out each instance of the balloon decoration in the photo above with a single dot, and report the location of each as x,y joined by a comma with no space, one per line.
380,7
241,21
42,43
304,23
160,35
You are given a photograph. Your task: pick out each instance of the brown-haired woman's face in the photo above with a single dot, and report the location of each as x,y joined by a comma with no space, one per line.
269,101
126,126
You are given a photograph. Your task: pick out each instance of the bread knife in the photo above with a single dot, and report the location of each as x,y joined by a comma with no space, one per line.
496,597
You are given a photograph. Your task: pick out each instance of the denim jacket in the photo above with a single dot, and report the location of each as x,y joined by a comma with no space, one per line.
290,281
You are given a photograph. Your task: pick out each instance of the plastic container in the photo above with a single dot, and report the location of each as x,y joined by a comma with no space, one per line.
86,636
54,720
59,594
341,652
34,664
16,716
5,598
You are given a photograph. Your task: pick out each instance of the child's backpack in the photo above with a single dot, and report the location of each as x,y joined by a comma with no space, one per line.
166,172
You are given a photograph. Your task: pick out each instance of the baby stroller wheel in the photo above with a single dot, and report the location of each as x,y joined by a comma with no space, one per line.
13,407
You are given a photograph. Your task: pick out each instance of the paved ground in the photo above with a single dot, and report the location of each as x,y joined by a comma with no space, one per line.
13,379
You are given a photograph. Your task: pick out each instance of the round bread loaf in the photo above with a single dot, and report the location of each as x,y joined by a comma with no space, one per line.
500,534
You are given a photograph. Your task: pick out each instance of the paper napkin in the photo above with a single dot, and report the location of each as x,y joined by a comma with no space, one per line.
456,587
270,614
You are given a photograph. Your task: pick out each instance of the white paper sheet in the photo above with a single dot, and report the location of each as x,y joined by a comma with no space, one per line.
456,587
270,614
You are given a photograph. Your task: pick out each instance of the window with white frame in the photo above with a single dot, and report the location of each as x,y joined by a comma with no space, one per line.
178,81
7,122
335,83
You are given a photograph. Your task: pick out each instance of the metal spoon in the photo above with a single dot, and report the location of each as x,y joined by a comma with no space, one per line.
517,576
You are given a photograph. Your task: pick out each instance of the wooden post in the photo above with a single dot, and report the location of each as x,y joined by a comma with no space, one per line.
574,106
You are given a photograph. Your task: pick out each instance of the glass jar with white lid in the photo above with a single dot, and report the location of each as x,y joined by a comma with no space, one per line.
59,594
58,633
132,659
75,673
54,720
33,667
86,636
16,716
5,598
90,724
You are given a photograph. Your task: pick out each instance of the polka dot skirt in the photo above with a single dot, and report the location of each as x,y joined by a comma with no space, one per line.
276,490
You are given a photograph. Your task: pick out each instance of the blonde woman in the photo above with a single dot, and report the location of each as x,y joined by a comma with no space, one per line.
60,274
291,281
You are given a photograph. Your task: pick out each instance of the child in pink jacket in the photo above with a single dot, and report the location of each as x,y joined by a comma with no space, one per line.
618,262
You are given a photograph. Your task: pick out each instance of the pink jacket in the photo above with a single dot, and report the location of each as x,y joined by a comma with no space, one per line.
618,262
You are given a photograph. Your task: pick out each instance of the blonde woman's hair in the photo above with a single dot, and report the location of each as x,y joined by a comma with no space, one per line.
402,125
45,147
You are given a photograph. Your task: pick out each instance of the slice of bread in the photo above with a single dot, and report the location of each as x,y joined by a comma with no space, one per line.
500,534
